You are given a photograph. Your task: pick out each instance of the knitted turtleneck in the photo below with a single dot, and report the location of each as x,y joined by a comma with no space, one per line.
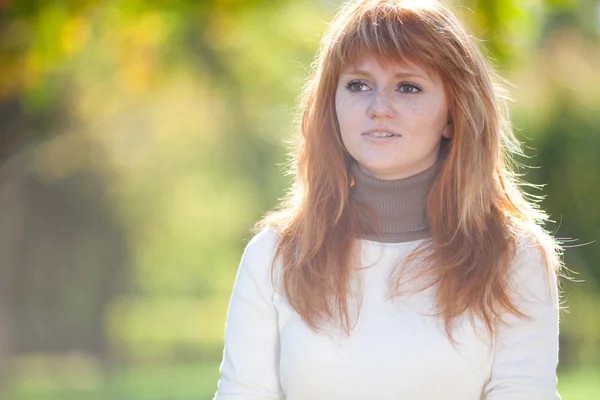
399,205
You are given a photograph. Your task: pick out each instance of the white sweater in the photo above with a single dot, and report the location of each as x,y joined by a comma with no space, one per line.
395,351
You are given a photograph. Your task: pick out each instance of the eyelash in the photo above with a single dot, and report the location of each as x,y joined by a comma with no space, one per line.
401,84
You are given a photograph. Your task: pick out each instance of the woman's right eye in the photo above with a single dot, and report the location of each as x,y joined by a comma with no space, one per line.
355,86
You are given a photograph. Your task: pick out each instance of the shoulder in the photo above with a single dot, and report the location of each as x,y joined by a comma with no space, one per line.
529,254
263,244
533,273
259,254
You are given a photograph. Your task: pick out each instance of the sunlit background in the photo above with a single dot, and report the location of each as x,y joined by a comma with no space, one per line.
140,140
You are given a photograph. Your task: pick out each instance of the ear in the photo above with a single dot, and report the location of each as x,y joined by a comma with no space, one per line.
448,131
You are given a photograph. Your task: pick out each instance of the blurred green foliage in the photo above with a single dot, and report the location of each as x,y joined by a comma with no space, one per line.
142,139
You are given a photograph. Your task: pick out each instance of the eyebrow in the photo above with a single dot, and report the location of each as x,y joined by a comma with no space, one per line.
396,75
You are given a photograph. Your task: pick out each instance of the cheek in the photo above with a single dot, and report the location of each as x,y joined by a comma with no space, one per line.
344,113
342,116
347,111
439,111
431,115
350,125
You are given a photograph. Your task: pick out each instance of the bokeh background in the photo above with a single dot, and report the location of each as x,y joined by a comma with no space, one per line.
141,139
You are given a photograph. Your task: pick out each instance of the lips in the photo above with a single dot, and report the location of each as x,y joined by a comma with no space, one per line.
379,139
381,132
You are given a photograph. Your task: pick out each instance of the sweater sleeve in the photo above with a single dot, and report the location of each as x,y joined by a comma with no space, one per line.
250,366
526,350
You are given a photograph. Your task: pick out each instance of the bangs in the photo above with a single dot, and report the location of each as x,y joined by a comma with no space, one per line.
390,33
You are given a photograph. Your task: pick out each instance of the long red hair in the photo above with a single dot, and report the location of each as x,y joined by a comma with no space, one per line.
475,208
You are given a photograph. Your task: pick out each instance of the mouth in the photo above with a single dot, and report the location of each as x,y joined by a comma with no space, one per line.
380,135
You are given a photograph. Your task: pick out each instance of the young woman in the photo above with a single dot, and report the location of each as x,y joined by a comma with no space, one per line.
405,262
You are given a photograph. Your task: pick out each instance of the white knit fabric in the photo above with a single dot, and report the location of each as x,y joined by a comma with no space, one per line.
397,350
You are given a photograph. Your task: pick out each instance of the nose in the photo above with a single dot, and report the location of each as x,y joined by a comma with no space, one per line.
380,107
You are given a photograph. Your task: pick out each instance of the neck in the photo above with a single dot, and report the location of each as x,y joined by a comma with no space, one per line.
392,210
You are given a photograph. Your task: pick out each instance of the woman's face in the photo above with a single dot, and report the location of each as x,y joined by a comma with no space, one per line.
391,118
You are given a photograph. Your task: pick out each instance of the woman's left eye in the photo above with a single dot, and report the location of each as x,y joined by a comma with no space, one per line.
409,88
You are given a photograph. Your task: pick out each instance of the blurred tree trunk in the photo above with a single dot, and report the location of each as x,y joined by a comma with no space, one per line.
12,124
11,223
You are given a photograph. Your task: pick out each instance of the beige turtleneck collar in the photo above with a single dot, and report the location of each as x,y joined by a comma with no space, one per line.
399,205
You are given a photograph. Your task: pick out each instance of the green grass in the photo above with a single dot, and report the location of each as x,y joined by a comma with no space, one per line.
198,382
579,384
172,382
